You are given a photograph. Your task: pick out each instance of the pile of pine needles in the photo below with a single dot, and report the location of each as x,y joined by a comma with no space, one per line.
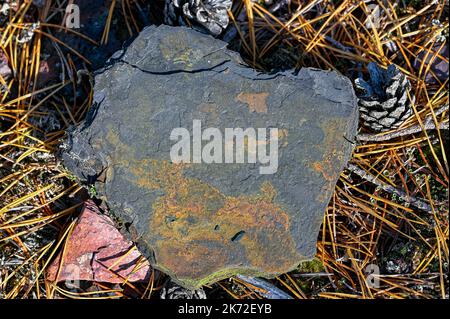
385,232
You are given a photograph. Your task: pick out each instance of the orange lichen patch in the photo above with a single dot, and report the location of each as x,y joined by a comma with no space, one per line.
197,232
318,166
331,156
327,170
256,101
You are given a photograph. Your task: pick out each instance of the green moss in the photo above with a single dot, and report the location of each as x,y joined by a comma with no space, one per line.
92,191
312,266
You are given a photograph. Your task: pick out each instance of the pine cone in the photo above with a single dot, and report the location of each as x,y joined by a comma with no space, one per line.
383,100
173,291
211,15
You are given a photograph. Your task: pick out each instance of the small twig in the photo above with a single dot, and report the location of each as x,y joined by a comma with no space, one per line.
313,274
428,125
338,44
413,201
270,290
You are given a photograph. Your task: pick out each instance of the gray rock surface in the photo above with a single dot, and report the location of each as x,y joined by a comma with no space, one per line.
204,222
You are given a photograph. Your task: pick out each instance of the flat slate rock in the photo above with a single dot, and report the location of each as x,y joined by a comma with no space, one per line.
201,222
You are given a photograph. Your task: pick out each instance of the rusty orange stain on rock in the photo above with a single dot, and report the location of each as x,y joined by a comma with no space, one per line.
326,164
194,229
192,235
256,101
319,168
